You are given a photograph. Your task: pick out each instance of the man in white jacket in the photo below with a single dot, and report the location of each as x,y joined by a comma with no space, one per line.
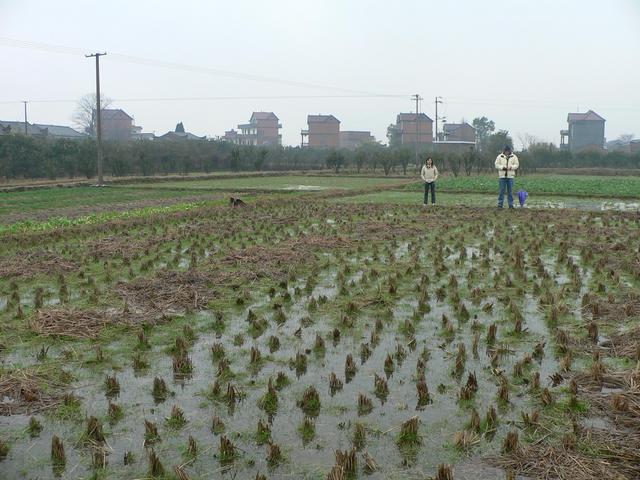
506,164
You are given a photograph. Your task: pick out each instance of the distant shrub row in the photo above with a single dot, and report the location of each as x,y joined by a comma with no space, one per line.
35,157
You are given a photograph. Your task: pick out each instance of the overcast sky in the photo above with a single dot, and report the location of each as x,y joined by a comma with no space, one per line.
524,64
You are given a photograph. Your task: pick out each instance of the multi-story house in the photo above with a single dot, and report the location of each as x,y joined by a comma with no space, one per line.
323,132
116,124
352,139
263,129
459,132
412,129
585,132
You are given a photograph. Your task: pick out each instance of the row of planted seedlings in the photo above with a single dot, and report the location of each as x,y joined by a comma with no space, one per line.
310,399
173,247
593,311
139,363
70,404
112,385
385,293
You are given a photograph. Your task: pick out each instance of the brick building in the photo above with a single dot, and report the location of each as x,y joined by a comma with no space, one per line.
116,124
459,132
263,129
352,139
323,132
414,129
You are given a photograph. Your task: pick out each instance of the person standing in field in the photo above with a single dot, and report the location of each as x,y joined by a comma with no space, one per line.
506,164
429,175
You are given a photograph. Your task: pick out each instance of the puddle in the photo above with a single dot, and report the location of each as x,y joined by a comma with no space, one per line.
29,458
309,188
338,414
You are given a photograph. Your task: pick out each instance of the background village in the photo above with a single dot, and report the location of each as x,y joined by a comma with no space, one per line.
584,132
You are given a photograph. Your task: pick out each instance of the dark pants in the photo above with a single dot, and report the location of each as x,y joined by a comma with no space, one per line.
429,186
506,183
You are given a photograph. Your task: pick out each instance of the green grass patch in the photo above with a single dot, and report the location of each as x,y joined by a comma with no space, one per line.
48,198
490,200
63,222
569,185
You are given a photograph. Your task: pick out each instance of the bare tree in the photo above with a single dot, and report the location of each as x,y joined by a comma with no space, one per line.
625,138
84,116
527,140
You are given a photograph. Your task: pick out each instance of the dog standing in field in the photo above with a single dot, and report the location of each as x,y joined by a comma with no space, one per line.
236,202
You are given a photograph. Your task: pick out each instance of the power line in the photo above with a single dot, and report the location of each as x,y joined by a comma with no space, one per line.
454,101
59,49
199,99
532,103
11,42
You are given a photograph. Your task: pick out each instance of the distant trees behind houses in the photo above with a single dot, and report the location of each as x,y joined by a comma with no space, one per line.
37,157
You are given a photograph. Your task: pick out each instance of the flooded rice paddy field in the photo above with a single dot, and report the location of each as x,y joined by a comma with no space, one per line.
317,340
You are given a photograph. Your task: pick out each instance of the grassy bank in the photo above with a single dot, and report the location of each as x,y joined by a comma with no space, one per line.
81,196
571,185
489,200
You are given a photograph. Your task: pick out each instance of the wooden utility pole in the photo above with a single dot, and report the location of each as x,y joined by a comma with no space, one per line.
417,98
98,115
25,117
438,100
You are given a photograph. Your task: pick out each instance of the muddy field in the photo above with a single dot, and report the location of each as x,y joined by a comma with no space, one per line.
323,340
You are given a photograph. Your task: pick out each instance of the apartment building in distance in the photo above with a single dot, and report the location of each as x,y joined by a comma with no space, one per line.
412,129
116,124
323,131
459,132
263,129
585,132
352,139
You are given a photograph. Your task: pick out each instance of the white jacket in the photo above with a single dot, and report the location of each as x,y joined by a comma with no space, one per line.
429,174
510,163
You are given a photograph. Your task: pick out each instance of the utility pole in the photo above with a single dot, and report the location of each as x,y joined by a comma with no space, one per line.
98,115
437,101
25,117
417,98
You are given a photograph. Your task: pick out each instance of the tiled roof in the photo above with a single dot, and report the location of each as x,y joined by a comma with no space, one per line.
181,135
450,127
411,117
590,115
111,113
18,127
263,116
60,130
321,118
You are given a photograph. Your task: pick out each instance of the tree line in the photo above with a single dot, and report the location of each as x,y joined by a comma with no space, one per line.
40,157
